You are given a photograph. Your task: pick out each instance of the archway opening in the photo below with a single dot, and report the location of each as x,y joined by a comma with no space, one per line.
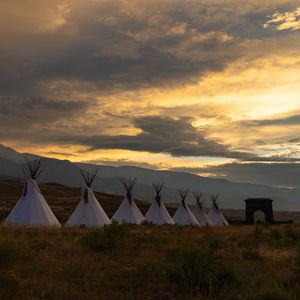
259,217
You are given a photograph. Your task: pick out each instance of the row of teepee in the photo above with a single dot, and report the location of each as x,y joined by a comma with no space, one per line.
33,210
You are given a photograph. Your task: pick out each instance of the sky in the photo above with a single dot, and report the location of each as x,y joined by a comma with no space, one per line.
205,87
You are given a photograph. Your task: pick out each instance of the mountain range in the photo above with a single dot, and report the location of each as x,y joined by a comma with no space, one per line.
232,194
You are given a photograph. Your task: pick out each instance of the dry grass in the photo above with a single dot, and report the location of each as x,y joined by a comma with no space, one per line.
143,262
149,262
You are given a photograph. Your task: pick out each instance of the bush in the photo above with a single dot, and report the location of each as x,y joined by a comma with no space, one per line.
251,254
276,235
149,272
9,284
296,265
214,244
38,244
107,239
292,234
197,272
10,253
273,293
258,232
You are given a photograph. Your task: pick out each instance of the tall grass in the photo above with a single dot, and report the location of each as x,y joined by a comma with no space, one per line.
109,238
197,271
151,262
10,253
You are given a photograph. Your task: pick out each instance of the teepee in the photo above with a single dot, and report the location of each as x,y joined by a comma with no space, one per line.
32,208
157,213
215,214
199,211
183,214
128,212
88,212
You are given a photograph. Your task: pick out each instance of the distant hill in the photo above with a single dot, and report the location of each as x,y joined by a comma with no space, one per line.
232,194
11,154
63,200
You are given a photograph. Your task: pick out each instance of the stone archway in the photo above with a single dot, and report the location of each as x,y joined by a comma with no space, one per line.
259,204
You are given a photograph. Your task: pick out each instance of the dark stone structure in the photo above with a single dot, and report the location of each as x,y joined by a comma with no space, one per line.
262,204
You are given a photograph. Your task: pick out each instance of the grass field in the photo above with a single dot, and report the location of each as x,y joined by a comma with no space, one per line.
144,262
150,262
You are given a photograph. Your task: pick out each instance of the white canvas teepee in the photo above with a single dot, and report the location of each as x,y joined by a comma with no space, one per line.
32,209
88,212
128,212
157,213
215,214
183,214
199,211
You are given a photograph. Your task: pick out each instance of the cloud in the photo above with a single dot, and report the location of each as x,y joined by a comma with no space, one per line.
122,162
285,21
56,153
293,118
294,141
122,44
273,174
30,119
38,109
156,135
110,43
91,72
176,137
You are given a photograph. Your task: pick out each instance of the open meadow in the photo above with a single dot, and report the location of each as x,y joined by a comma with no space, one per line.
151,262
144,261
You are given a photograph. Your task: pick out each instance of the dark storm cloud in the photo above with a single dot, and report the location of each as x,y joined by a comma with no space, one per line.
36,109
97,48
274,174
289,120
294,141
113,46
154,62
33,119
176,137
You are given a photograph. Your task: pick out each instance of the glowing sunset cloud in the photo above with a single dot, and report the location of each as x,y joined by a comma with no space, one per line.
189,85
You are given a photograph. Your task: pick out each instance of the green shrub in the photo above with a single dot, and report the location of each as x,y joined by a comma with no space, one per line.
144,273
296,265
276,235
244,243
10,253
38,244
258,232
292,234
259,236
196,271
214,244
108,238
9,284
251,254
271,293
